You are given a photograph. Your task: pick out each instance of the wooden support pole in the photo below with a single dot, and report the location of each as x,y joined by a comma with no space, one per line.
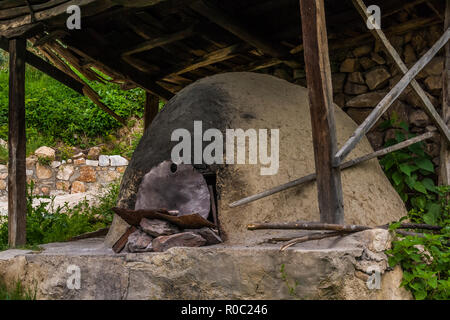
444,175
389,99
17,181
318,75
150,110
345,165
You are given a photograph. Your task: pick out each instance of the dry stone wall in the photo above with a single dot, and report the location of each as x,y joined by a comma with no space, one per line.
84,172
362,76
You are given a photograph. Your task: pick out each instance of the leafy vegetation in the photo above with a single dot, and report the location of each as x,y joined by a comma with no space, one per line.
46,224
425,260
56,113
17,292
411,171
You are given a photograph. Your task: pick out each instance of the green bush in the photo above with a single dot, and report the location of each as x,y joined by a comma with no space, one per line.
425,260
411,171
46,224
57,113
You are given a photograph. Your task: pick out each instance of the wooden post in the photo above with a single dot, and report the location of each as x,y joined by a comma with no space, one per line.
150,110
318,75
17,183
444,175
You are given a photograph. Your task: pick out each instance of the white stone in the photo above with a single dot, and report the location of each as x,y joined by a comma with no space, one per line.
103,161
3,143
56,164
78,155
45,152
65,172
29,172
3,168
118,161
92,163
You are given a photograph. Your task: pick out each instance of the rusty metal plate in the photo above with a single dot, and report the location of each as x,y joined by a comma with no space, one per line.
174,187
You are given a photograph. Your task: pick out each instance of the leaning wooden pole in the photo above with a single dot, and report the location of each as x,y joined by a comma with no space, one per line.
348,164
17,183
318,75
444,174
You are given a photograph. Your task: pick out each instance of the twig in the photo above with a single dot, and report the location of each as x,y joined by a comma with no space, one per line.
334,227
309,237
307,226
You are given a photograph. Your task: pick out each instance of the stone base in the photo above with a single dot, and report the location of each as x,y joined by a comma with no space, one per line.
325,269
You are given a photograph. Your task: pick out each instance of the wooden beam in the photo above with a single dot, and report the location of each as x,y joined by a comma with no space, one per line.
318,75
389,99
151,109
210,58
111,61
14,12
235,27
86,89
444,174
413,24
161,41
428,106
88,7
348,164
47,68
17,181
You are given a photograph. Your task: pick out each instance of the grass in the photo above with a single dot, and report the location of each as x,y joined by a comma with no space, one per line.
46,224
17,292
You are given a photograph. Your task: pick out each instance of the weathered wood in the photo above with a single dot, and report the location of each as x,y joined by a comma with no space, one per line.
307,226
301,225
122,242
47,68
318,75
389,99
129,73
345,165
161,41
26,31
54,35
57,11
352,42
88,235
17,183
137,3
210,58
230,24
14,12
309,237
150,110
429,108
444,174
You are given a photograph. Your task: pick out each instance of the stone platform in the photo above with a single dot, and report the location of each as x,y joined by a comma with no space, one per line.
326,269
